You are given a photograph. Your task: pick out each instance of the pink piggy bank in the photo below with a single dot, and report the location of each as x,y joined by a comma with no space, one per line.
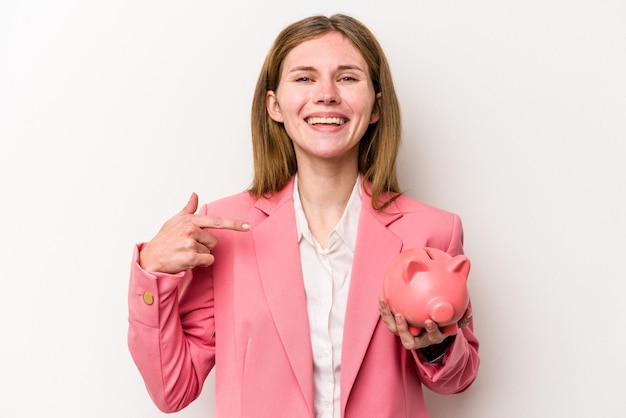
423,283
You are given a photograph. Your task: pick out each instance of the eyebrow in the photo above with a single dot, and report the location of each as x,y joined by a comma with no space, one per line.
339,68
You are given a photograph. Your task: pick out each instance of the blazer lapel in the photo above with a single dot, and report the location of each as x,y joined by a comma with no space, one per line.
376,246
278,258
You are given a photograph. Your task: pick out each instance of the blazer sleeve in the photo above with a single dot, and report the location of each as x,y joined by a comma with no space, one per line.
171,334
459,366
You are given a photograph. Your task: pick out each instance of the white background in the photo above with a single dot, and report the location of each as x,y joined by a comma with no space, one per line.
113,112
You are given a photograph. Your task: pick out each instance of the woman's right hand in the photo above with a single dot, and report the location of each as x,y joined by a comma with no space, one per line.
184,241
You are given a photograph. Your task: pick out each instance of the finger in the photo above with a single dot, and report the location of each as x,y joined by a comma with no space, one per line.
205,238
383,307
468,314
407,339
467,318
197,250
200,258
387,315
433,333
220,222
204,259
191,206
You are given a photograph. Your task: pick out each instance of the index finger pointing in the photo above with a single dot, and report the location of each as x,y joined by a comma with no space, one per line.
220,222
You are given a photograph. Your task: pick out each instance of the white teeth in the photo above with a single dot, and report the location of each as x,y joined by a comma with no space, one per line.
326,121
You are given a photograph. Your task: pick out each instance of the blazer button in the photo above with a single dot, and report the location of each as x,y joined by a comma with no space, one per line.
148,298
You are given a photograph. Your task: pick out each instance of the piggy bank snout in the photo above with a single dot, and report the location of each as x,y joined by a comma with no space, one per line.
441,311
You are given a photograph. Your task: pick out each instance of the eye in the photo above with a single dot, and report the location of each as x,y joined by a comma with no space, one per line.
303,79
348,79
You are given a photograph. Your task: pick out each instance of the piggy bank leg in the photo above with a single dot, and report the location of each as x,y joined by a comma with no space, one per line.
415,331
451,329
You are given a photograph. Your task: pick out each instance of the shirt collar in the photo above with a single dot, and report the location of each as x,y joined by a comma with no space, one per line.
346,228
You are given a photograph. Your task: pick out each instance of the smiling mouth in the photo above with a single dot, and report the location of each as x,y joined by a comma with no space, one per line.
326,121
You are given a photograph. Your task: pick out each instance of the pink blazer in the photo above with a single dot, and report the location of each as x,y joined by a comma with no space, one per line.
246,316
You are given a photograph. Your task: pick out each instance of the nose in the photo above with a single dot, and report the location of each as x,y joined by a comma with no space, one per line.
327,92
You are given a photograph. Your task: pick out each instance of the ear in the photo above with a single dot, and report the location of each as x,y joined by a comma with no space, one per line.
459,264
376,109
414,267
273,108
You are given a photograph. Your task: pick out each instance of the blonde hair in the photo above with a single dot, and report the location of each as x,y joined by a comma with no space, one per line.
273,152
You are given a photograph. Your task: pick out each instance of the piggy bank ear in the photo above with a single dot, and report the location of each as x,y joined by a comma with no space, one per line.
459,264
414,267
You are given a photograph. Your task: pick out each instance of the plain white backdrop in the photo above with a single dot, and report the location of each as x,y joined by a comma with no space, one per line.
113,112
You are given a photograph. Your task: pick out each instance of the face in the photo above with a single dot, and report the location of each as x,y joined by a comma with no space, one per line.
325,99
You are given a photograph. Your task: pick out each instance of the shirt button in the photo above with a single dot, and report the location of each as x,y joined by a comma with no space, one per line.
148,298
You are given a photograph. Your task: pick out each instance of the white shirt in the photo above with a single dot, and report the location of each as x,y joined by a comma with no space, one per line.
326,273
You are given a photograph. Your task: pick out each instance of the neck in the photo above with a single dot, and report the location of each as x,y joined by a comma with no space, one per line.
324,199
326,192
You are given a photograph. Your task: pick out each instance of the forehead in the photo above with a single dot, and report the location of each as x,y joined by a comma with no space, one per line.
329,50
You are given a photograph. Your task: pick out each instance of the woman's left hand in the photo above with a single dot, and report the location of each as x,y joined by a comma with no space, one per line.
431,334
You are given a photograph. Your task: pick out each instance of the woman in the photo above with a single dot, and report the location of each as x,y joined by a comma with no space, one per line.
278,285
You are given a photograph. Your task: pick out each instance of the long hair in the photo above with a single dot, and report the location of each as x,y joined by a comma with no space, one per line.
273,151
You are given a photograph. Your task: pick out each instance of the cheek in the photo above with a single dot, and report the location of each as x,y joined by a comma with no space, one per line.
362,102
289,105
367,112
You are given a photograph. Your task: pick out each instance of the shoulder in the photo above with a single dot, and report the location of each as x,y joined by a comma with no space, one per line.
405,208
422,224
411,208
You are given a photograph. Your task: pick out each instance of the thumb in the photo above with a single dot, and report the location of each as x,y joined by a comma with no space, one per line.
191,206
